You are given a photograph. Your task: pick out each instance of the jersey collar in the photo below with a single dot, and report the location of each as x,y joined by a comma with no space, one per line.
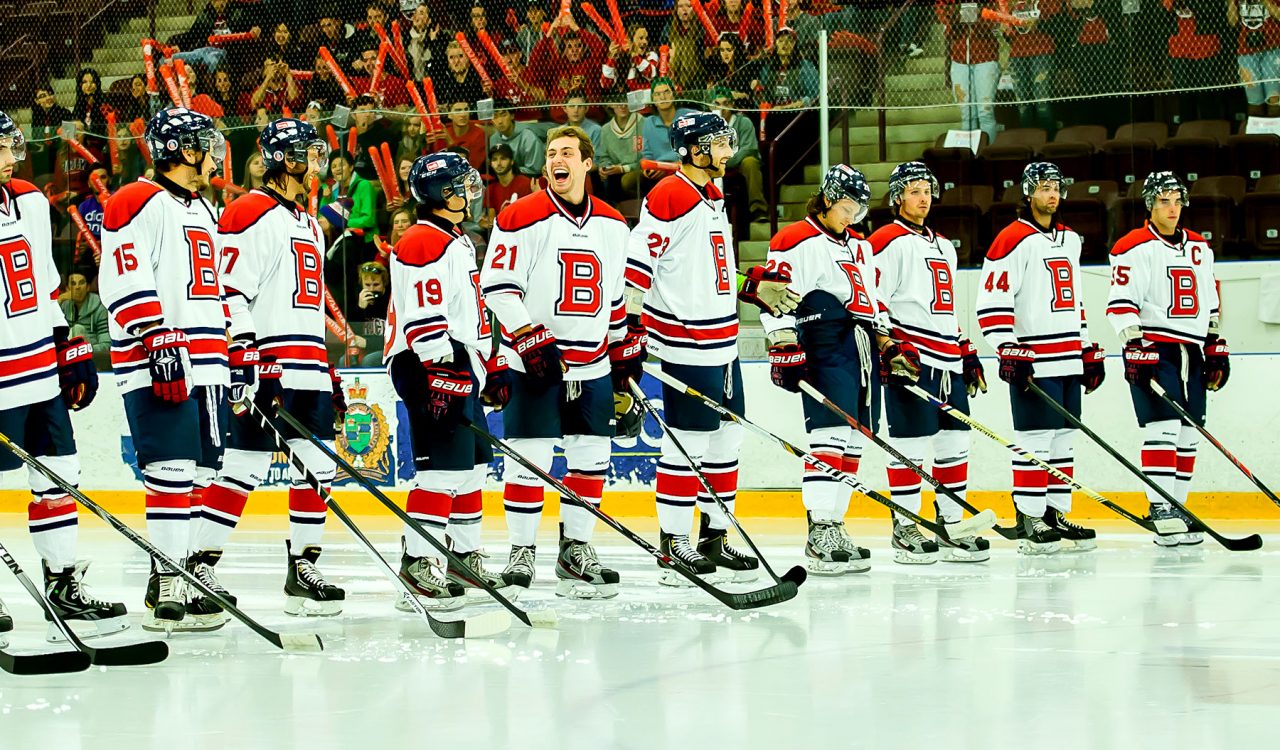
579,221
1051,232
919,230
1181,236
711,193
822,229
292,206
444,225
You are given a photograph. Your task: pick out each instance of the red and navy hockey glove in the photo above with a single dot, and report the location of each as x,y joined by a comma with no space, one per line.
447,392
1140,363
975,378
900,363
1094,370
626,357
244,361
768,291
77,377
167,361
338,398
497,383
787,366
1217,366
537,349
1016,364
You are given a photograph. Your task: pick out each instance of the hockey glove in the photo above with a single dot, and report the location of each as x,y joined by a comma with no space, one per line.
269,390
975,378
1094,370
626,357
1140,363
77,377
339,400
497,383
1217,366
787,366
900,363
167,361
447,392
537,349
768,291
245,361
1016,365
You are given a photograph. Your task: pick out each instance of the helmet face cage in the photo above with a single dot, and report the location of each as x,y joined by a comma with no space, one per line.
17,142
905,174
1038,173
728,134
843,181
1159,183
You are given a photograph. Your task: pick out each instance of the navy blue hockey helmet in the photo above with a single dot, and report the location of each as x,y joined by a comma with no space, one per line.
906,173
18,142
291,139
843,181
434,178
700,129
1159,183
1039,172
175,129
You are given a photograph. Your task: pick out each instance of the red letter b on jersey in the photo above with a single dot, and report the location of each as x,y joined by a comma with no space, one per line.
1184,295
581,285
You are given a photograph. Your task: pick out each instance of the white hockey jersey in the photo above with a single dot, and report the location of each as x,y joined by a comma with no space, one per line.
273,275
1029,294
915,287
160,265
681,255
28,357
545,266
817,260
1165,289
435,296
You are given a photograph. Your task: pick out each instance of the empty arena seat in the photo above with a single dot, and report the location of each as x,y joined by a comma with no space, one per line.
958,217
1033,138
1001,213
1128,161
1129,212
1087,210
1074,158
1002,165
1195,151
1214,202
1094,135
1156,132
1252,156
952,166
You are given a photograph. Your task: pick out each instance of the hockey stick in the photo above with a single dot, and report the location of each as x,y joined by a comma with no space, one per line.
52,662
480,626
797,574
1237,545
538,619
971,526
133,655
1186,417
291,642
1126,463
816,395
747,600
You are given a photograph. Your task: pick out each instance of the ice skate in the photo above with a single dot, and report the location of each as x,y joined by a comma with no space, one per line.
677,547
970,549
474,560
88,617
432,590
520,571
200,608
826,555
1166,511
165,601
714,545
580,572
307,593
910,547
1035,537
1081,538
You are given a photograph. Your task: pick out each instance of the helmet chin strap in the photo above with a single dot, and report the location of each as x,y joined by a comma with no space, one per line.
710,167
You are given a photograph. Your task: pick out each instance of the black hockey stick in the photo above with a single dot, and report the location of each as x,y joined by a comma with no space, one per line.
968,527
1236,545
291,642
797,574
51,662
816,395
747,600
132,655
1186,417
535,619
480,626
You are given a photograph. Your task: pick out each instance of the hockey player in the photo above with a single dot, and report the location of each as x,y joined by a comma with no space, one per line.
45,373
915,270
159,283
1164,305
1031,312
272,256
553,276
829,342
440,354
680,282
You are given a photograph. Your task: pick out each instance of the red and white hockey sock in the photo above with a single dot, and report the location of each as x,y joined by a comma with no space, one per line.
849,464
464,521
53,523
431,509
720,466
904,484
820,493
587,457
1160,457
951,468
522,495
221,509
676,485
1030,481
307,513
1185,465
169,522
1062,458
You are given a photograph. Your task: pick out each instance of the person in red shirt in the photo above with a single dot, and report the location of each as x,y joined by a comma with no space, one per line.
975,63
1031,49
729,18
574,65
275,90
391,92
1258,52
463,132
507,185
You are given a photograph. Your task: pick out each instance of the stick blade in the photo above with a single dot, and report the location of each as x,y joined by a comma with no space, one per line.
1247,544
486,625
973,525
1170,526
765,597
797,575
301,643
543,618
133,655
57,662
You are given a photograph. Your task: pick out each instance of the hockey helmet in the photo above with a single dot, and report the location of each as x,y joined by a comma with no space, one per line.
906,173
700,129
173,130
1159,183
1038,172
18,143
843,181
293,140
435,178
627,415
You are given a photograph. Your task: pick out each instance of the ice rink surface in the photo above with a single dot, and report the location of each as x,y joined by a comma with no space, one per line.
1129,646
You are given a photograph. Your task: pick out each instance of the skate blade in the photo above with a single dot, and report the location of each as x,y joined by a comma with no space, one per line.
750,575
1168,542
432,604
1030,548
911,558
953,555
673,579
475,593
835,569
1081,545
300,606
87,629
571,588
1190,539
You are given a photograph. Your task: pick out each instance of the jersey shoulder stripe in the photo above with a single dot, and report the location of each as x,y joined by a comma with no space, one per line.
885,235
1194,236
526,211
246,211
1131,240
792,235
672,198
127,203
605,211
1009,239
421,245
21,187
